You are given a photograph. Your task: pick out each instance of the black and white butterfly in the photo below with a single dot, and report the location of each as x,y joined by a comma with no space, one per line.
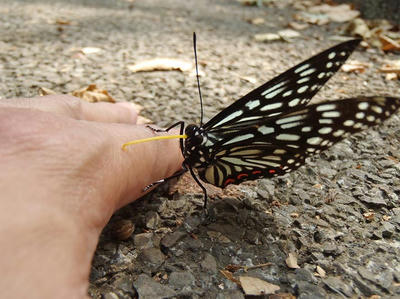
271,130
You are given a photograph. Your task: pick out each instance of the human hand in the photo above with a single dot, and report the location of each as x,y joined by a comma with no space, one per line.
62,175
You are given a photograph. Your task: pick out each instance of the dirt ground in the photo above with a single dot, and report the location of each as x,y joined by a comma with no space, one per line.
339,215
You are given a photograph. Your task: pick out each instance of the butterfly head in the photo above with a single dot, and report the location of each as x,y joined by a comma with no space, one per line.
194,145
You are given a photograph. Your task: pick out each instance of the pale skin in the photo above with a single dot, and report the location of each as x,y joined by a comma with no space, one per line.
62,175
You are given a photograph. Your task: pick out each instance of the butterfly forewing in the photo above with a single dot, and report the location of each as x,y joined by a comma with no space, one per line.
281,144
292,89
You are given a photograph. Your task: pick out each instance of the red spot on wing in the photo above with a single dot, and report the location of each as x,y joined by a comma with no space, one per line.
272,171
242,175
256,172
229,181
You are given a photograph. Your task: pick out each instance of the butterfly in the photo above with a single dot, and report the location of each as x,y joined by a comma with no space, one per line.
272,130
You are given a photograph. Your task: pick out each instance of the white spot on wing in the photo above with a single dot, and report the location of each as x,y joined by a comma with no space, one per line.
289,119
348,123
239,138
294,102
276,86
274,93
288,137
229,117
307,72
302,67
271,106
325,130
326,107
252,104
302,89
331,55
265,130
331,114
314,140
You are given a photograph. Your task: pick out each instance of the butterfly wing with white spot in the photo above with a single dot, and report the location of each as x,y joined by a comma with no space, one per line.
281,144
292,89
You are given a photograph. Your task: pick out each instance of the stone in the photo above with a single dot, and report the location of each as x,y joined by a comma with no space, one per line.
170,240
209,263
144,240
181,279
147,288
387,229
336,285
153,256
230,294
152,220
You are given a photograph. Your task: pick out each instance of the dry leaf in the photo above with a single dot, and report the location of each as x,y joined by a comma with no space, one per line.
389,44
62,22
161,64
354,66
339,13
386,217
358,27
90,50
323,14
230,276
267,37
257,21
298,26
93,94
288,34
369,216
391,67
321,272
43,91
391,76
291,261
255,286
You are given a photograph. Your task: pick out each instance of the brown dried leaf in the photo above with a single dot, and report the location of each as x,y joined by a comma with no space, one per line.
256,21
186,185
230,276
369,216
339,13
389,44
291,261
298,26
321,272
233,268
255,286
354,66
43,91
161,64
93,94
391,67
90,50
358,27
62,22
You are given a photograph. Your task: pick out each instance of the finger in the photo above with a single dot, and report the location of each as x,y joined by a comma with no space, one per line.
140,164
76,108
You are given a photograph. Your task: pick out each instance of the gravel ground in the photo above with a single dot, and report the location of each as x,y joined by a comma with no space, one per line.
339,213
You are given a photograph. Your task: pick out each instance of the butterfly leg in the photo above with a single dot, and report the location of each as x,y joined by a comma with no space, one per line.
179,123
176,174
201,186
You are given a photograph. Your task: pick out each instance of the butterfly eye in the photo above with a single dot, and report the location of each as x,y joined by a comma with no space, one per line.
194,133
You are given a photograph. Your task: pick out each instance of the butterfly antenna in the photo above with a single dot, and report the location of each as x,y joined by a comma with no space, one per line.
198,80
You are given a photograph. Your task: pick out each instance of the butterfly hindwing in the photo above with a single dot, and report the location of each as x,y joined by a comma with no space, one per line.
281,144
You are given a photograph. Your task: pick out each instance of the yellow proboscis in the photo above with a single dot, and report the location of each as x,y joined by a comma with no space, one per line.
125,145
